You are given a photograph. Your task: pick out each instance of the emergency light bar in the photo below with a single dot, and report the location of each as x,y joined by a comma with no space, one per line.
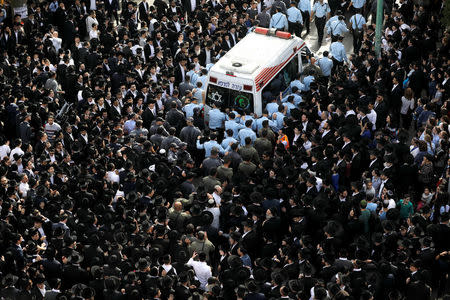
273,32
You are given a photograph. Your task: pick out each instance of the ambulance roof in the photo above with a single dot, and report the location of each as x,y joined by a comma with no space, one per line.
255,52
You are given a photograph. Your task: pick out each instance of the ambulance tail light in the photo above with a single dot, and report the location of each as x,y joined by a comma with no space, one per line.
261,30
283,35
213,79
248,87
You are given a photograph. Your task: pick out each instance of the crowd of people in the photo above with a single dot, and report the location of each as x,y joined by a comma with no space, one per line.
118,183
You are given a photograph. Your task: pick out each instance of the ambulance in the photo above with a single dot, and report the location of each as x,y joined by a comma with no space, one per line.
240,78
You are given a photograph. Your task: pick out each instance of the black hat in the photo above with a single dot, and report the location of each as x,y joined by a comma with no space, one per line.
297,212
88,292
207,217
142,264
76,258
9,280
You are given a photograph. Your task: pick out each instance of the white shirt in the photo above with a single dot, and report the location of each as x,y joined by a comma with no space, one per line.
23,189
112,176
14,151
406,104
372,118
202,271
193,5
216,213
4,151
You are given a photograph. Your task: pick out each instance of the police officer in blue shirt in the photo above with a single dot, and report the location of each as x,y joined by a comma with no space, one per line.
321,11
297,97
260,120
210,144
189,108
216,118
247,131
305,9
326,65
358,5
228,140
272,106
357,23
337,28
233,124
278,20
337,50
295,20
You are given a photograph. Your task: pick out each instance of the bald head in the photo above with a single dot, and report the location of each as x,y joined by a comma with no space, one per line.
177,206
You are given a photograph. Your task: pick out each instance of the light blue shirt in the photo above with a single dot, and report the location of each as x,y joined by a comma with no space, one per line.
325,65
247,117
357,20
129,125
243,133
259,122
358,3
337,49
294,15
216,118
304,5
321,10
289,106
298,84
337,28
189,109
297,99
194,77
53,6
203,79
272,107
332,19
278,21
233,125
209,66
279,120
208,147
226,142
307,81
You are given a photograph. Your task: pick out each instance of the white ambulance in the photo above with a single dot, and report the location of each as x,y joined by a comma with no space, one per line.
244,74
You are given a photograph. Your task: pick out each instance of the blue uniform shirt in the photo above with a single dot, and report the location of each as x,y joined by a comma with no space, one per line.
325,65
321,10
332,19
189,109
337,28
216,118
294,15
259,122
233,125
208,147
243,133
272,107
298,84
357,21
337,49
279,120
358,3
226,142
304,5
307,81
278,21
297,99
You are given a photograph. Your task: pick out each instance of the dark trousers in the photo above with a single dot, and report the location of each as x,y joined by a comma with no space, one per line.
305,16
295,28
336,64
320,25
357,36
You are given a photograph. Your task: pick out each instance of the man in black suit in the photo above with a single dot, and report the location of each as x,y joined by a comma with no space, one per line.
381,108
188,8
69,32
395,96
144,10
112,6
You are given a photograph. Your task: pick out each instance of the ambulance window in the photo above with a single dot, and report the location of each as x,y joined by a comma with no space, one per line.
228,98
290,70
